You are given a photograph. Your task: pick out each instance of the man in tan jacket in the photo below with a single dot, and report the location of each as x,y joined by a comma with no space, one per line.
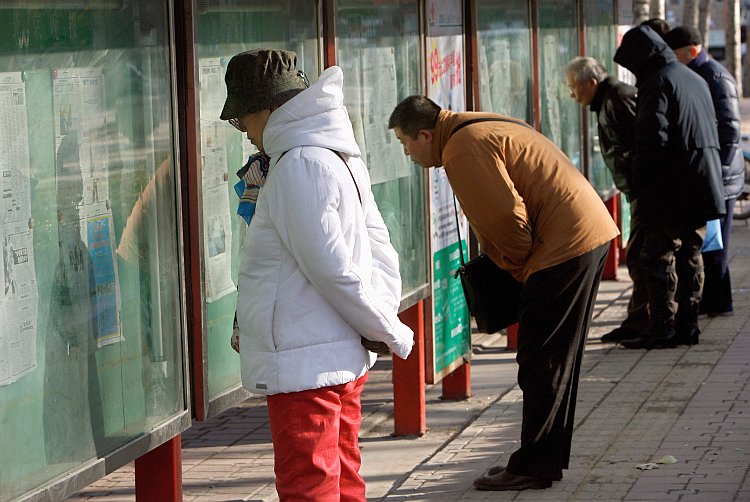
536,216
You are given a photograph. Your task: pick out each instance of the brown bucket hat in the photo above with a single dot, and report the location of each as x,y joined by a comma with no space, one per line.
260,79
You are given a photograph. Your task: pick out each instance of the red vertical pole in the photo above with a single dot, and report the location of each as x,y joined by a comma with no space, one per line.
613,259
158,473
457,384
512,337
408,379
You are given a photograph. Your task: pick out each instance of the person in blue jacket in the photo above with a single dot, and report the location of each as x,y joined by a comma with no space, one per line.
687,44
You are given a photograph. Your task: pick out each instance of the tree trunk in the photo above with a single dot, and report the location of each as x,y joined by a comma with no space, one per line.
704,20
732,48
690,13
640,11
658,10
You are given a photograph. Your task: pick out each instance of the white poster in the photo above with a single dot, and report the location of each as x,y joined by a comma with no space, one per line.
18,287
217,227
445,54
450,319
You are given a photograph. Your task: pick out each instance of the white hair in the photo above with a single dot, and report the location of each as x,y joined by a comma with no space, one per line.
583,68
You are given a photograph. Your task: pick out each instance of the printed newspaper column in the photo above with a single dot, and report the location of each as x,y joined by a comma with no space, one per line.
82,182
18,294
217,226
451,324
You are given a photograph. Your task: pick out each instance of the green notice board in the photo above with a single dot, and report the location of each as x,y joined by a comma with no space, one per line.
451,316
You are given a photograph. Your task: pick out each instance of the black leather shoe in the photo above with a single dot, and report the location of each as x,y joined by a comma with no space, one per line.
620,334
506,481
688,336
665,340
495,470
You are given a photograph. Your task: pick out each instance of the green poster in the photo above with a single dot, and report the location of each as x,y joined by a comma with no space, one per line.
451,316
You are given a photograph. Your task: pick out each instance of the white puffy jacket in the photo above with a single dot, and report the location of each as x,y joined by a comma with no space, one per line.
318,269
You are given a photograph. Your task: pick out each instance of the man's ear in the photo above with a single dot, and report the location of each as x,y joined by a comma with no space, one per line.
427,134
694,50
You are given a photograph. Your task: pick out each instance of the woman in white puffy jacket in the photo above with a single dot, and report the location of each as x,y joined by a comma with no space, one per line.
319,278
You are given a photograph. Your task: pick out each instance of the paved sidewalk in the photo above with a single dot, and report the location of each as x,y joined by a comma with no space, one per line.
634,406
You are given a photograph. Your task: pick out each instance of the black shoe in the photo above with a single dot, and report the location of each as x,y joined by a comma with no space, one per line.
620,334
505,481
664,340
688,336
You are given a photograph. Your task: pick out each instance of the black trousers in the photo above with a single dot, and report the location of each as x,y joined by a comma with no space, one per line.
717,287
671,258
556,307
637,317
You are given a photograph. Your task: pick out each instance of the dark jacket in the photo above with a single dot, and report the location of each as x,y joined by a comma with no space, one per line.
614,105
726,100
676,168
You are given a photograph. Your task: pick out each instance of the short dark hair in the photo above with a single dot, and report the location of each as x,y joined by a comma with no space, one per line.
413,114
660,26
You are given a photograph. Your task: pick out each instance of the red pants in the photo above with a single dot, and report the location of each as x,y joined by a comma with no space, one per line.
315,437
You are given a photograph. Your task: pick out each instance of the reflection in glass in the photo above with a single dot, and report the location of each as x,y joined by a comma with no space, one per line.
379,53
600,43
558,44
505,58
225,28
90,333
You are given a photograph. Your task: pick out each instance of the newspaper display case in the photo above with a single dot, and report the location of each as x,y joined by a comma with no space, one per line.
92,365
225,28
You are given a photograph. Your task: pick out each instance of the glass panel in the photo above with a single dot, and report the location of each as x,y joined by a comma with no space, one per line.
225,28
600,43
90,336
379,52
558,44
505,58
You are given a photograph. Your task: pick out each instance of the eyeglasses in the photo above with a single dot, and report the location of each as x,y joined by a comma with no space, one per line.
237,124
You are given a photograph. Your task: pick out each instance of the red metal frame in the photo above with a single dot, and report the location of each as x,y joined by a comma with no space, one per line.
512,333
409,415
158,473
329,33
190,172
613,259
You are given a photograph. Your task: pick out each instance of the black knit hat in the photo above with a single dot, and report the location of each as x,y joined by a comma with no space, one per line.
259,79
682,36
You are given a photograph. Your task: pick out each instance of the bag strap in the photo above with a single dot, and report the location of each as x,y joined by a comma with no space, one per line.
338,154
458,230
487,119
455,206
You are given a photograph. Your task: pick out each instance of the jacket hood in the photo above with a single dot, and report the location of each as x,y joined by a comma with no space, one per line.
315,117
643,51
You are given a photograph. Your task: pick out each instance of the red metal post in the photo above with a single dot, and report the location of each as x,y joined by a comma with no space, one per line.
613,259
158,473
457,384
408,380
512,337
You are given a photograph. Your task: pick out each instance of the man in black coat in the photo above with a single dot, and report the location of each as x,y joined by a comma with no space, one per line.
677,175
687,45
614,103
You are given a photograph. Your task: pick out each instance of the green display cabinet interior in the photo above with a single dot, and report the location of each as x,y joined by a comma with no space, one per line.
225,28
91,341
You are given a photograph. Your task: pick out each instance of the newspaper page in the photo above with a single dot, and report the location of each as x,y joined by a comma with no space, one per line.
217,226
551,84
385,158
82,182
19,294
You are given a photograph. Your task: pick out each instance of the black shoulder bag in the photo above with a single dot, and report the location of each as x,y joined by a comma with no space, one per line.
492,294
